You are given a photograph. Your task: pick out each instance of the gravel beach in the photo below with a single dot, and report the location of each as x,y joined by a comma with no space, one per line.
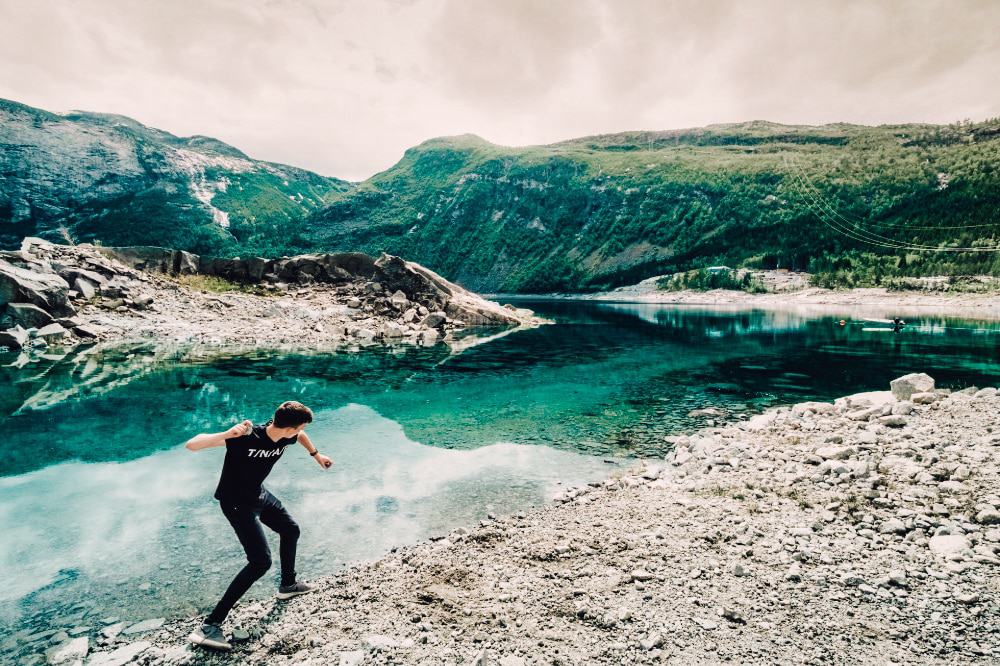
856,532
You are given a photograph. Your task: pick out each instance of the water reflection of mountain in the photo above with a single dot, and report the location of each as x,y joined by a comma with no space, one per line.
606,378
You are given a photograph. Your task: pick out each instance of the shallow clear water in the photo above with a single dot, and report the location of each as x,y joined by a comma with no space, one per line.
105,514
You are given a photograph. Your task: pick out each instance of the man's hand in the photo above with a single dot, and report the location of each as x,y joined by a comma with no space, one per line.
323,461
240,429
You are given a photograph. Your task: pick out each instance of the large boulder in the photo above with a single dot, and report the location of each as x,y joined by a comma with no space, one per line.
27,315
904,387
250,270
329,268
948,545
46,290
85,288
154,259
422,285
51,333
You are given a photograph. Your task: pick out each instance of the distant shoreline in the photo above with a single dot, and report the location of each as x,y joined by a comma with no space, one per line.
878,302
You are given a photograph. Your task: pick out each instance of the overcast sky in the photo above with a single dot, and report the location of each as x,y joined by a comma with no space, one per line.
343,87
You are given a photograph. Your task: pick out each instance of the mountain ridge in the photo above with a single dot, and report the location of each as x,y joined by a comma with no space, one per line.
853,202
85,175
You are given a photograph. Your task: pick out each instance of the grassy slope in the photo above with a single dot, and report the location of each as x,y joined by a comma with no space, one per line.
608,210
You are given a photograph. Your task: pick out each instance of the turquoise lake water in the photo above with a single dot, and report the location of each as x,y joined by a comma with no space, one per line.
104,514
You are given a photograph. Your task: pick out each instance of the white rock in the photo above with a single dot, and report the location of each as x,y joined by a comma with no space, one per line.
352,658
924,398
893,526
511,660
988,517
71,651
904,387
836,452
947,545
145,625
121,656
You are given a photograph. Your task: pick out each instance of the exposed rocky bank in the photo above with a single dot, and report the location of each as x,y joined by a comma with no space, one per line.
60,294
935,296
856,532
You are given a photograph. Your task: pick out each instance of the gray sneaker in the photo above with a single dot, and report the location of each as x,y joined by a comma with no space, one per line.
210,636
295,589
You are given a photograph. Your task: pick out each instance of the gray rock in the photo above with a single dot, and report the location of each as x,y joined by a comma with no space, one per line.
836,452
433,320
399,300
651,641
904,387
948,545
86,331
893,421
641,575
72,651
988,517
46,290
380,642
14,338
893,526
121,656
733,615
352,657
924,398
85,288
27,315
145,625
392,331
52,333
511,660
705,623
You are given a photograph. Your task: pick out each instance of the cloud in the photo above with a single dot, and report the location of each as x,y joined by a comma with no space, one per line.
345,87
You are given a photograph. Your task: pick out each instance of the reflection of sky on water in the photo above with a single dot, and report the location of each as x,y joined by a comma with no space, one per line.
98,531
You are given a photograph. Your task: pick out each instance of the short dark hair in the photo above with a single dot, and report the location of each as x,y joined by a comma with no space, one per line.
291,414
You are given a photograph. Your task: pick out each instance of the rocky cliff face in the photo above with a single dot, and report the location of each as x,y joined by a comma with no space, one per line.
89,176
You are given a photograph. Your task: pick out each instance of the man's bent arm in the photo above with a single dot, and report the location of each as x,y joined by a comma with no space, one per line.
206,440
306,443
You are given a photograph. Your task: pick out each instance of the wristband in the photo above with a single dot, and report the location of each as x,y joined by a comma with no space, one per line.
314,452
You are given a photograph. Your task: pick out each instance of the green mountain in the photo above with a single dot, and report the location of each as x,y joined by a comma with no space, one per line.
91,176
851,202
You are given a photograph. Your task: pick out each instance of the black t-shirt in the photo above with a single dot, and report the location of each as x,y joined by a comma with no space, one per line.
249,460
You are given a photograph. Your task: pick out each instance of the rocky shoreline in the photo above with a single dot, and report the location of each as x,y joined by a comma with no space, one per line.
797,295
58,295
861,531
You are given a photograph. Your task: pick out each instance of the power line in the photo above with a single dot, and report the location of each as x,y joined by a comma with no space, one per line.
855,231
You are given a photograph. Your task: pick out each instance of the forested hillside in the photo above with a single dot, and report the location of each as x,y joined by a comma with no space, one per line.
851,202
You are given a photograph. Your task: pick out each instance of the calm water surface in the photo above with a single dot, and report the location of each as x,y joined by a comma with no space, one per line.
105,515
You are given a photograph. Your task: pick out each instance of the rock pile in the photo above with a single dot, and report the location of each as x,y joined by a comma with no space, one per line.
64,294
861,531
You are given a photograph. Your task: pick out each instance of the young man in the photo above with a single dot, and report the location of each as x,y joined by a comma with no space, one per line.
251,451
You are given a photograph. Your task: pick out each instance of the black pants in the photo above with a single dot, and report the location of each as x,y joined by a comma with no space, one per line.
246,519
